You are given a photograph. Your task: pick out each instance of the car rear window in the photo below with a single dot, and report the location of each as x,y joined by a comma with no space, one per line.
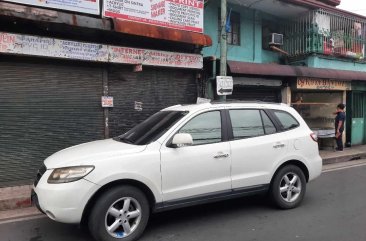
286,120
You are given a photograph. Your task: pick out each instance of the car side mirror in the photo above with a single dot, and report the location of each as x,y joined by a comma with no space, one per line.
182,139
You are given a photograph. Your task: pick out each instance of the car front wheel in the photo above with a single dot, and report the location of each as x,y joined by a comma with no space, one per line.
288,187
119,214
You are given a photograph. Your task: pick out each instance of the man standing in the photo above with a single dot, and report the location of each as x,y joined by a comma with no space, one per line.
339,126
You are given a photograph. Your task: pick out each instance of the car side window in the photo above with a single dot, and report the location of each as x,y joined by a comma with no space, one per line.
204,128
269,127
246,123
286,120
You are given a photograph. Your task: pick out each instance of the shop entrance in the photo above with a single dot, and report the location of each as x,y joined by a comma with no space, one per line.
317,108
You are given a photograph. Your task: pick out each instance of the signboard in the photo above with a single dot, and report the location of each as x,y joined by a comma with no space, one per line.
154,57
49,47
322,84
66,49
138,106
107,101
224,85
178,14
82,6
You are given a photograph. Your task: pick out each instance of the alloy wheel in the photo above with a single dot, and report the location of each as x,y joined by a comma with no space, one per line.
123,217
290,187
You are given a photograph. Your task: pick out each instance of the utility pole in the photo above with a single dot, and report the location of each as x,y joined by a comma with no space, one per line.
223,42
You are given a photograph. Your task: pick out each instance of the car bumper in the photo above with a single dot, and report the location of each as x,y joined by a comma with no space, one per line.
316,168
63,202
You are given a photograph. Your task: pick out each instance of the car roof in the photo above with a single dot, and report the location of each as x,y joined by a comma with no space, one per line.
223,105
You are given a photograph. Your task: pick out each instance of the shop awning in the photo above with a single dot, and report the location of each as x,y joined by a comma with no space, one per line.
152,31
237,67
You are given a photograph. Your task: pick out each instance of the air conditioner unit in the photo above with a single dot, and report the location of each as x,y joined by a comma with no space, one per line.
276,39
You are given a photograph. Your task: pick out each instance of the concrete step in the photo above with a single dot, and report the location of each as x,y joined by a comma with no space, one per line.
349,154
15,197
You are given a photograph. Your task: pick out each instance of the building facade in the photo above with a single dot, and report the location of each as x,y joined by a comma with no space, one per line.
73,77
308,54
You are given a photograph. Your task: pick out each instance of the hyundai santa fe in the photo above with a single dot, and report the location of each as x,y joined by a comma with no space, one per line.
181,156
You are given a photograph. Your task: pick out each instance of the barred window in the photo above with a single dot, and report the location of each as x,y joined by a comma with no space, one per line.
233,36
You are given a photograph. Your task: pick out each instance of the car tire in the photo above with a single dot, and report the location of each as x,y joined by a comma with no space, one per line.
288,187
120,213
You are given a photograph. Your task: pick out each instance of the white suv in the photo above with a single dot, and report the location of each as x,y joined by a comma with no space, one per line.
183,155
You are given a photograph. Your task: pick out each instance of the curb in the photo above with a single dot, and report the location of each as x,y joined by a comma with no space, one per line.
15,197
345,158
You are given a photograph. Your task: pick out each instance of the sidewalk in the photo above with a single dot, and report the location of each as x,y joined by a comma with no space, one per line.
349,154
15,201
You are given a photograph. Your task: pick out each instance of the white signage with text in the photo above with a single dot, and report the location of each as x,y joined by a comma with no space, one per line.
82,6
178,14
224,85
67,49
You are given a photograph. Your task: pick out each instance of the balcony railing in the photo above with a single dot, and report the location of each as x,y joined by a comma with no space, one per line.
326,33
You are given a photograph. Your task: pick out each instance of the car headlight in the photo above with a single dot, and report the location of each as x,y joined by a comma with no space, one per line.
69,174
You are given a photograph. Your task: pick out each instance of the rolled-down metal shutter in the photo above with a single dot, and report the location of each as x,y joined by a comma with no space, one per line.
255,94
45,107
155,88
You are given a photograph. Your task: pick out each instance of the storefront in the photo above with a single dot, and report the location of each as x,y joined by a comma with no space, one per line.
137,95
316,101
256,89
52,94
250,83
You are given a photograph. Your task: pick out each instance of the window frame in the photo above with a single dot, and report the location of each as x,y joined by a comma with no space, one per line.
235,18
224,129
266,111
277,122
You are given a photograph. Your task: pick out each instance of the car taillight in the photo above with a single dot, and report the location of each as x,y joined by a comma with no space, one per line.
314,137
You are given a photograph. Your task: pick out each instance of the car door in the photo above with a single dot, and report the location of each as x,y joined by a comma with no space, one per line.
255,147
200,169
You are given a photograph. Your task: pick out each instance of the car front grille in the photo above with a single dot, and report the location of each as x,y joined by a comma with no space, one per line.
40,173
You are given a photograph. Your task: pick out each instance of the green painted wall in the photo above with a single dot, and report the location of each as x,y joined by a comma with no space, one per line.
250,48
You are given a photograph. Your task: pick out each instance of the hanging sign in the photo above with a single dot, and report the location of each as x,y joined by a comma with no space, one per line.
224,85
66,49
178,14
81,6
322,84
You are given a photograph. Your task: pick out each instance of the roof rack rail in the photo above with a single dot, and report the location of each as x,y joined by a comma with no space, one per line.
242,101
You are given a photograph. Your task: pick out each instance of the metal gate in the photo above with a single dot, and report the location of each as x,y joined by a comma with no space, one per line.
246,93
44,107
358,118
137,95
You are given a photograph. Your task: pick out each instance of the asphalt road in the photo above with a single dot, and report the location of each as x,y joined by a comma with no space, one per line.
334,209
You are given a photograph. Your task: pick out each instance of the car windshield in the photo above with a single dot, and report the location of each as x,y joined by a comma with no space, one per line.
152,128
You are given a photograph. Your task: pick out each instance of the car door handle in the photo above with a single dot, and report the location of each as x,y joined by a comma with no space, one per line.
221,155
278,145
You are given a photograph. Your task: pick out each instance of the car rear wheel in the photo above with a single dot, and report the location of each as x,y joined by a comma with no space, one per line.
288,187
119,214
